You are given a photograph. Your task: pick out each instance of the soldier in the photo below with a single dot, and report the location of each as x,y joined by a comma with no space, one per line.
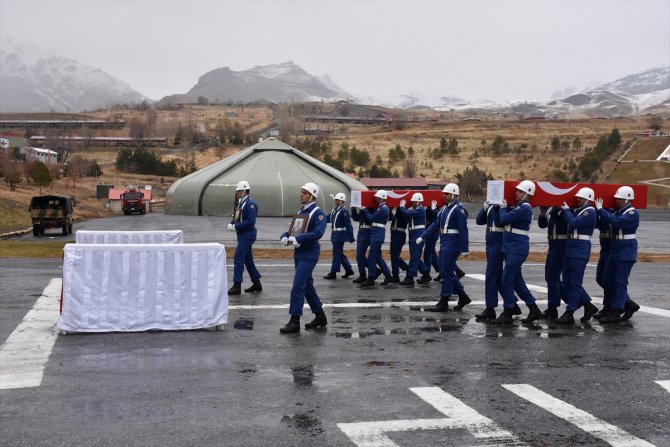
341,231
605,241
557,234
416,225
378,221
398,238
451,223
430,258
581,223
515,248
623,224
305,257
362,244
244,223
488,216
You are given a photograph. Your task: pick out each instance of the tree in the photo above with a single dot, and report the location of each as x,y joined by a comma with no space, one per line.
555,143
11,170
577,143
453,146
138,130
94,169
614,139
202,101
472,181
40,175
655,122
409,169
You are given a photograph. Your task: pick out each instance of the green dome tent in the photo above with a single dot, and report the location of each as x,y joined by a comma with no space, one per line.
275,172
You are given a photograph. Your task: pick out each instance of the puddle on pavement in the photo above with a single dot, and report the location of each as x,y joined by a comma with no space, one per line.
303,374
245,324
305,423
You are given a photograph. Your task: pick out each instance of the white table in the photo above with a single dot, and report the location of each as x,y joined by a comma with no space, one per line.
129,237
131,287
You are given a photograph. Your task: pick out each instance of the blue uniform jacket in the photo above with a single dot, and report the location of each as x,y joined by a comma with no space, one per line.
556,225
581,223
398,221
246,227
363,225
516,221
623,224
378,220
416,217
452,226
490,218
431,215
309,240
341,229
605,234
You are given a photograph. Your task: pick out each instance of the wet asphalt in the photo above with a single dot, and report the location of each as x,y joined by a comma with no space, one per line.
250,386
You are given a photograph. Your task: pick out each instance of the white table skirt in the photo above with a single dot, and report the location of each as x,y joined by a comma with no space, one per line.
129,287
129,237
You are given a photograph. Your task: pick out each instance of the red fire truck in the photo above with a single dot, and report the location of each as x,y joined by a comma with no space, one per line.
133,202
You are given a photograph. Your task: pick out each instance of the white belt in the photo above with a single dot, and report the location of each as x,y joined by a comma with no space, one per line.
364,226
339,229
381,225
417,227
557,237
509,229
450,231
402,230
495,229
581,237
624,236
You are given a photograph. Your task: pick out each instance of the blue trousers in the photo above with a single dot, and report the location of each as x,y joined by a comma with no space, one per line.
398,239
494,269
415,265
339,258
512,281
447,267
552,272
615,278
303,286
245,258
430,258
573,278
361,258
375,259
600,274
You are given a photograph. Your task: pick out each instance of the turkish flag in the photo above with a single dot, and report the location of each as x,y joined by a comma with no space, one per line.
554,193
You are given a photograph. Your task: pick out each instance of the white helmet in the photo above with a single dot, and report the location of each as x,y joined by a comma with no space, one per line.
526,186
243,186
417,197
311,188
381,194
625,192
451,188
340,196
586,193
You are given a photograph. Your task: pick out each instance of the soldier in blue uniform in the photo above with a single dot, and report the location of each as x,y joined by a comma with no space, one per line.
341,231
378,221
581,223
362,244
488,216
416,224
398,238
623,225
430,258
451,224
305,257
244,223
605,241
557,234
515,248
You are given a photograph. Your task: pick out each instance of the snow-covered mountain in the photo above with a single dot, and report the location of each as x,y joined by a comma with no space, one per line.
285,82
33,81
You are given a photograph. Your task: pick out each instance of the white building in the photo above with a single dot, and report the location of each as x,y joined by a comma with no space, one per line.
46,156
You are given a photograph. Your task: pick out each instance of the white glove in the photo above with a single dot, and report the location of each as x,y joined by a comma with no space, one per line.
402,203
361,208
504,202
294,242
433,204
284,240
466,254
419,241
486,204
599,203
231,227
565,207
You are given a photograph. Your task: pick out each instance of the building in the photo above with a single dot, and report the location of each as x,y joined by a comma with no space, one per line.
46,156
275,172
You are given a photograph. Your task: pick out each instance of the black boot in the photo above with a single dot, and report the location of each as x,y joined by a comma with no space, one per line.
292,326
236,289
361,279
408,281
368,282
463,300
589,311
516,310
550,313
459,273
319,320
425,278
602,312
438,278
378,273
348,273
534,313
330,275
504,318
629,309
566,318
613,316
388,279
441,306
255,287
488,314
395,279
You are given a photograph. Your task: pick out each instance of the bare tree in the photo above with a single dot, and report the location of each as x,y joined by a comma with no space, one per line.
409,169
138,130
12,169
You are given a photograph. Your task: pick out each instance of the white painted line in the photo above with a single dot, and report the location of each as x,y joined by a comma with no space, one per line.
655,311
587,422
459,416
27,349
530,286
665,384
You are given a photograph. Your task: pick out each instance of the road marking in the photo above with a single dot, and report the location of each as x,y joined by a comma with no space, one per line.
27,349
665,384
587,422
459,416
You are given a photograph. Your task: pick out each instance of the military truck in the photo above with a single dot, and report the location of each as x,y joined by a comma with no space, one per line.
51,212
133,202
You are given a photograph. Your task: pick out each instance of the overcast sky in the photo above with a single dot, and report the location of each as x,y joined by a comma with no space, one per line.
499,50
